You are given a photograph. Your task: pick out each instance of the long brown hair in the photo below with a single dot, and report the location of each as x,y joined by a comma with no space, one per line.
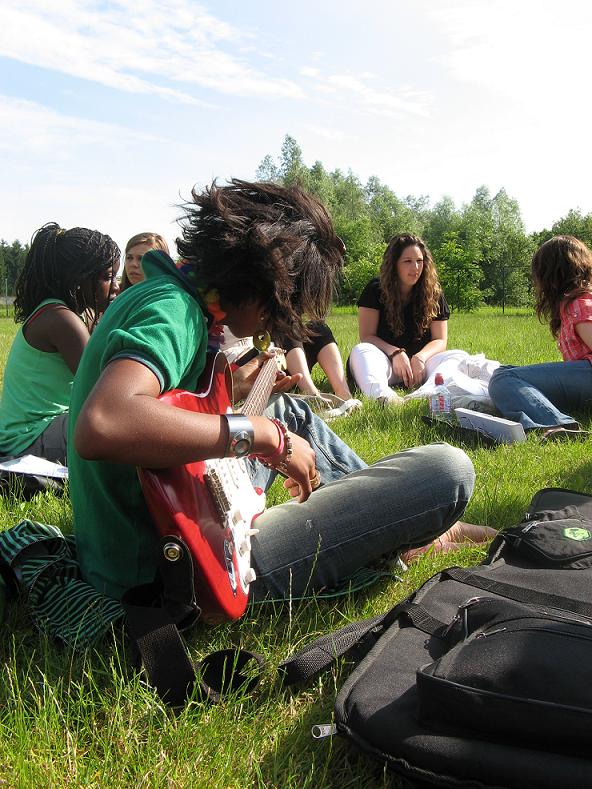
562,271
425,294
154,239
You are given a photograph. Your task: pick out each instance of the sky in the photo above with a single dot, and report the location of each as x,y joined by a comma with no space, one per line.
111,111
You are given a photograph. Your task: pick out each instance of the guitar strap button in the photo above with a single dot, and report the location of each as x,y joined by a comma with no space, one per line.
172,551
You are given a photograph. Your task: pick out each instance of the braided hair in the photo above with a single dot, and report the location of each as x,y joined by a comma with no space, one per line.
66,265
263,241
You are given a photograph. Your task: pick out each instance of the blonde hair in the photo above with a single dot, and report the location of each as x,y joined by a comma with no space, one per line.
156,242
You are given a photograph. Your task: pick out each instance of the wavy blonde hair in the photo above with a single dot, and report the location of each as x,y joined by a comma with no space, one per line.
154,239
562,271
426,292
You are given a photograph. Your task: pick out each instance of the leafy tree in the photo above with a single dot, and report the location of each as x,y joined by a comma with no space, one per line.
321,184
350,200
292,170
509,274
357,234
267,170
14,260
358,273
482,248
390,215
459,274
443,218
574,223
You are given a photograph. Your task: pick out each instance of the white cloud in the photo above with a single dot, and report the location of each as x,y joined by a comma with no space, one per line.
325,133
31,128
135,49
391,103
527,51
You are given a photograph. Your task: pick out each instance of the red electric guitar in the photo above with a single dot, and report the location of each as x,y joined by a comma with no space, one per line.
211,505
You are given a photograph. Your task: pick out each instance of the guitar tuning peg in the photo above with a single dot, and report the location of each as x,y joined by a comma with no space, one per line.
249,576
252,532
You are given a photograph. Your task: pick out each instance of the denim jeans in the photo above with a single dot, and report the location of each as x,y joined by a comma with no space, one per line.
333,456
542,395
402,501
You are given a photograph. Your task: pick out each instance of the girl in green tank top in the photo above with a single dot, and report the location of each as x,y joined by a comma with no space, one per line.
67,282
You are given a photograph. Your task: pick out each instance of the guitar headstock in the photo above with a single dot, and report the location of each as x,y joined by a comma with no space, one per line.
280,358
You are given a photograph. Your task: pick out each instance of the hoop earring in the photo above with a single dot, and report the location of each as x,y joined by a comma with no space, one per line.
261,340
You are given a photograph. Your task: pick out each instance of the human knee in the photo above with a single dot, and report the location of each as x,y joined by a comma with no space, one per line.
452,468
501,378
362,349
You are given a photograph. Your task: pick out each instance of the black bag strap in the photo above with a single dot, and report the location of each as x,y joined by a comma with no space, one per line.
361,636
156,612
519,593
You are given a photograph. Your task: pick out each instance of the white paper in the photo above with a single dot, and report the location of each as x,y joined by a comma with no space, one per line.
30,464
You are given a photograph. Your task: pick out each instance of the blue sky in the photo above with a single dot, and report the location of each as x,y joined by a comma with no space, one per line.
111,111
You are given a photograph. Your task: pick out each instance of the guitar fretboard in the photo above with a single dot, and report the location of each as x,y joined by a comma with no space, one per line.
257,398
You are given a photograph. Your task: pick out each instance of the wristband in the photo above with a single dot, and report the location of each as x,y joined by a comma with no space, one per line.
396,352
240,435
281,457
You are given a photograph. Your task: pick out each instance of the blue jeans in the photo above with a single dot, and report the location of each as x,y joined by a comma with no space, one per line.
541,395
402,501
334,458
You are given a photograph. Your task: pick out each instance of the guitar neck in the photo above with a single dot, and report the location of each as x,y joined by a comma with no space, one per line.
257,398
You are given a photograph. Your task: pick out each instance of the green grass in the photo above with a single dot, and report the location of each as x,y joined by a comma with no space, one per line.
86,719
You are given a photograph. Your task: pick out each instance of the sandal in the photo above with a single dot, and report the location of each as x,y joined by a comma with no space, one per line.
564,434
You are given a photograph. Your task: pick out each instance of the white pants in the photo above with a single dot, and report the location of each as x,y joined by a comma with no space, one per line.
372,370
462,373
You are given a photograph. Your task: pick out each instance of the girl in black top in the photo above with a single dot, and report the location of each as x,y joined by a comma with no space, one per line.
402,321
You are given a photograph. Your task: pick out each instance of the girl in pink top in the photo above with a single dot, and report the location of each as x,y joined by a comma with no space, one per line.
542,395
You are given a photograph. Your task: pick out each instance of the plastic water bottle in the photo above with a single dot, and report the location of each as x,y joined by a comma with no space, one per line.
440,400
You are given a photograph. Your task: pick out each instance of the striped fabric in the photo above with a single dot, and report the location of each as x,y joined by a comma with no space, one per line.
61,604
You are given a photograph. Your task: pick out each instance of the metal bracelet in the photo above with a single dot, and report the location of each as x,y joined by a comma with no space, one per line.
241,435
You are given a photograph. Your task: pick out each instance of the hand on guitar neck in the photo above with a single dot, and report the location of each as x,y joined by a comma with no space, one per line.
302,476
244,377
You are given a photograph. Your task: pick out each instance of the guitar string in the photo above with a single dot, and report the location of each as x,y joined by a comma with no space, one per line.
256,400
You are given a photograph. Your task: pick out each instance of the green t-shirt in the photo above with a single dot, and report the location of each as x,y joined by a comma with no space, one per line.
160,323
37,387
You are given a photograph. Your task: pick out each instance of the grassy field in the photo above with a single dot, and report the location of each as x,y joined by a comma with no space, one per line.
84,719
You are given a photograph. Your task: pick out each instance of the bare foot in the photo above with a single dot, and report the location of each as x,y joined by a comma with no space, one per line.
457,536
468,532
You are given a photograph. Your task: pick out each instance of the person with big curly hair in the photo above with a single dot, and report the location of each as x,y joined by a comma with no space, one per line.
257,258
402,321
67,282
544,395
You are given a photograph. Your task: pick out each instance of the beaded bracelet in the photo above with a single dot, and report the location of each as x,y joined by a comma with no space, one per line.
282,455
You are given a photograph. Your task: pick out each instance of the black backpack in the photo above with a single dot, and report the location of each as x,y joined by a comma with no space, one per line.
483,677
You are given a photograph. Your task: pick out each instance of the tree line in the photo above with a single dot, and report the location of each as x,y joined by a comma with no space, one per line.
12,260
481,248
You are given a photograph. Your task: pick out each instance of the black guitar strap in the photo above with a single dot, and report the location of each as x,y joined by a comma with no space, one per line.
155,615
